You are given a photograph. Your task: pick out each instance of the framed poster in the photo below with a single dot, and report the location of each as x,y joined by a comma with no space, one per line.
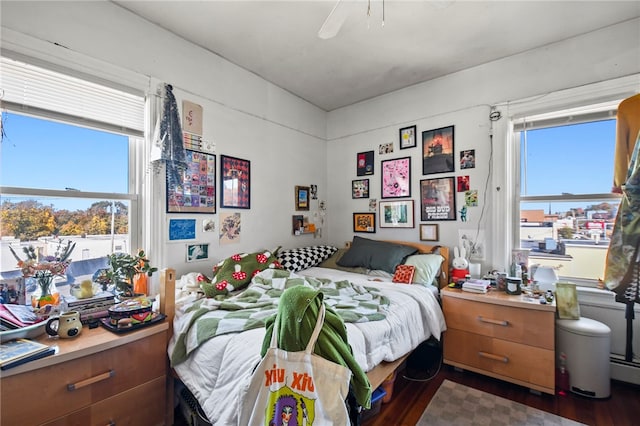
437,151
396,178
437,199
360,188
182,229
235,180
364,222
364,165
302,198
196,192
196,252
408,137
429,232
396,214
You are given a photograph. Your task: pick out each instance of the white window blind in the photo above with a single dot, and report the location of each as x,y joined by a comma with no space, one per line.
58,96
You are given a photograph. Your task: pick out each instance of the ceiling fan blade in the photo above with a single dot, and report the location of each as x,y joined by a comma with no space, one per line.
334,21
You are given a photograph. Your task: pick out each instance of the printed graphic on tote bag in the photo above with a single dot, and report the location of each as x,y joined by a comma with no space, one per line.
285,406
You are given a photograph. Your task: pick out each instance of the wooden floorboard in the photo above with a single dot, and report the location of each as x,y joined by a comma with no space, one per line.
410,398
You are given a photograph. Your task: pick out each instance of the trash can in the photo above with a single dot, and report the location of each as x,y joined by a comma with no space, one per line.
586,344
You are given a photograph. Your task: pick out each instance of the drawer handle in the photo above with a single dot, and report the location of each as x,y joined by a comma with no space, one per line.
91,380
492,321
500,358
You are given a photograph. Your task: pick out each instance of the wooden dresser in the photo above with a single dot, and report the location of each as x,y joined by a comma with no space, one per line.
502,336
99,378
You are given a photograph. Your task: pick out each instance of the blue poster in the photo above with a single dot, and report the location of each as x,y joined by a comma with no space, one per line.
182,229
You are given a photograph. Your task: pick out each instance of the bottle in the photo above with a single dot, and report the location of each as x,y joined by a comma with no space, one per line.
562,376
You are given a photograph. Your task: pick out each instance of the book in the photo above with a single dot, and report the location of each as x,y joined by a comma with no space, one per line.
49,351
15,350
73,302
404,274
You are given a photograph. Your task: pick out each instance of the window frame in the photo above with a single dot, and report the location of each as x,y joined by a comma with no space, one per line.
506,169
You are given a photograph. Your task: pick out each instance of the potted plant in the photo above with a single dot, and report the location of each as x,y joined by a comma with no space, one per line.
123,269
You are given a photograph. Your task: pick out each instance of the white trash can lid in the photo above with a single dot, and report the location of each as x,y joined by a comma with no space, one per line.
584,326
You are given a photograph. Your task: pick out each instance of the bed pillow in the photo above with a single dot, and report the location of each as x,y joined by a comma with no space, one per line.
301,258
332,263
235,272
374,254
427,267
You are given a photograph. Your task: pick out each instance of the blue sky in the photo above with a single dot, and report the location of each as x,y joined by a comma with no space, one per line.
36,153
32,157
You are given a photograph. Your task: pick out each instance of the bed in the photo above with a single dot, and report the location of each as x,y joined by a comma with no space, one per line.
214,368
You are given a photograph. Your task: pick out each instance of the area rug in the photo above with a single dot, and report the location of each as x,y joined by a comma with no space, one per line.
456,404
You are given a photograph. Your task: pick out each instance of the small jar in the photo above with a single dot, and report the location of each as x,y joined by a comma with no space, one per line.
514,285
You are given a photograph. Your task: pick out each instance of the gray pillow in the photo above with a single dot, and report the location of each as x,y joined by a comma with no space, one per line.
373,254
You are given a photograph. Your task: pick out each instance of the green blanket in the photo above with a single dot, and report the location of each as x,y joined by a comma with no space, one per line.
207,318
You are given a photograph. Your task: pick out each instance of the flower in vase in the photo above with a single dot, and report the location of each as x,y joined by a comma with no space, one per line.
44,270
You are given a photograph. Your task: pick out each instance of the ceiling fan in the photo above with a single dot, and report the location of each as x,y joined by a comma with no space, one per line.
341,10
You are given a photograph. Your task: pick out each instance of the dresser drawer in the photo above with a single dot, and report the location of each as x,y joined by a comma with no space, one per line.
528,326
133,407
79,383
513,360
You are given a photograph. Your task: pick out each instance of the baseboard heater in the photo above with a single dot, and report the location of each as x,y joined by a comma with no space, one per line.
625,371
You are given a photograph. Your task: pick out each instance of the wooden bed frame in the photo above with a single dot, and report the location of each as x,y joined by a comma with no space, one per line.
376,376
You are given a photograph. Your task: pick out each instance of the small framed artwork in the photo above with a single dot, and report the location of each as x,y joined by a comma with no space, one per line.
182,229
196,192
408,137
437,151
360,188
429,232
463,183
396,214
437,199
235,179
364,222
364,163
468,159
302,197
196,252
396,178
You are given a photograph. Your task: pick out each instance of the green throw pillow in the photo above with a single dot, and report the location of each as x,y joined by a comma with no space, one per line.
235,272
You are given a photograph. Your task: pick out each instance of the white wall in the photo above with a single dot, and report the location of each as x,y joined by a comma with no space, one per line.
247,117
464,99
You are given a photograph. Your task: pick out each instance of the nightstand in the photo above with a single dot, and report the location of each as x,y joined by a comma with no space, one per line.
98,378
507,337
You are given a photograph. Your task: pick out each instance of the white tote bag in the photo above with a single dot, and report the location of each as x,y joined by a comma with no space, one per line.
296,388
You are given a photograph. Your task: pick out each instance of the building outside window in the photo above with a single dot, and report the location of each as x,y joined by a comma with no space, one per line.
70,168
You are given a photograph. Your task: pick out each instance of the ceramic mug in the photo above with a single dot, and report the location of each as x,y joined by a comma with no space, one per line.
68,325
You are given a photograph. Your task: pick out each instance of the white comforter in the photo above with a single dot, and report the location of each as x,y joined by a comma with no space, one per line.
215,372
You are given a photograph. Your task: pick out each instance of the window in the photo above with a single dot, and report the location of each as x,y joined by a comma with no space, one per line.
566,206
69,168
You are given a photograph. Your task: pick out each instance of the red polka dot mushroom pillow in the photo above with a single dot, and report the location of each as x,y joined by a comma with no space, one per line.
235,272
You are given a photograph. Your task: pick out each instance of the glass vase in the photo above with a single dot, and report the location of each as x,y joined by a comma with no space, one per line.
43,295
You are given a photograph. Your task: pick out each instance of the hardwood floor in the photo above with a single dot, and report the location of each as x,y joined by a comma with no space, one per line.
410,398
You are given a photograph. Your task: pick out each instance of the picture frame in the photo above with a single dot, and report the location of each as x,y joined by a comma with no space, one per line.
364,222
437,150
364,163
396,214
302,197
235,182
196,191
429,232
437,199
360,188
396,178
408,137
197,252
182,229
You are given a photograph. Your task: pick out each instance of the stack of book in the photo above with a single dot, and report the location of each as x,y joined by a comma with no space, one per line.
17,352
476,286
13,316
91,308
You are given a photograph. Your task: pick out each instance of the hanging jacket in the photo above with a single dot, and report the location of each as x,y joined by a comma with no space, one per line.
296,318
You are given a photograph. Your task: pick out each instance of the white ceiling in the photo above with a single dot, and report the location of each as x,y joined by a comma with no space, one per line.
420,40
